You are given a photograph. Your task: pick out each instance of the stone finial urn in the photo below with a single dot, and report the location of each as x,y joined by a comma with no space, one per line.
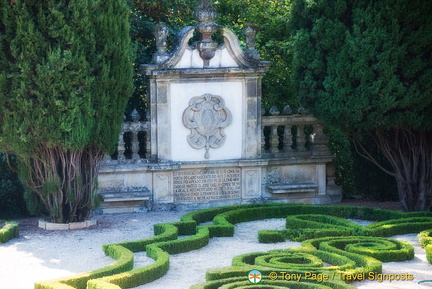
206,14
161,34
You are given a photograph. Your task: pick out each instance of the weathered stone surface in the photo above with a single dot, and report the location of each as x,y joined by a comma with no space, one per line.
162,187
182,93
251,182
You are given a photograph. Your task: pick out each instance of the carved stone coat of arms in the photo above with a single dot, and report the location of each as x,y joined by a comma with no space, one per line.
206,117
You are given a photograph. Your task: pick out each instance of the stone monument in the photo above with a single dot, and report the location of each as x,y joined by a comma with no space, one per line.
205,129
205,111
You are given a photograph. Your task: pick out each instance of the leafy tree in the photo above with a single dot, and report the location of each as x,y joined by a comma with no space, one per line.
65,77
145,15
366,67
273,42
12,203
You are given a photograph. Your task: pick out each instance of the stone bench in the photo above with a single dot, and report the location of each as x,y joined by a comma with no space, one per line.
124,201
292,188
125,196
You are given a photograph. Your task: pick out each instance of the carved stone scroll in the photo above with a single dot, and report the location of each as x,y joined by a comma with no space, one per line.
206,117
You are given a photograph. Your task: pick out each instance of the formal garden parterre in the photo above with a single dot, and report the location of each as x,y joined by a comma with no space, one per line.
324,259
73,66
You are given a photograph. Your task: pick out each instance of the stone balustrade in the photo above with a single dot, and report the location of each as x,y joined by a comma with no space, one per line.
292,135
281,136
133,144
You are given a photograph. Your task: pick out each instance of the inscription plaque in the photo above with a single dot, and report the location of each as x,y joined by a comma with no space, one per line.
206,185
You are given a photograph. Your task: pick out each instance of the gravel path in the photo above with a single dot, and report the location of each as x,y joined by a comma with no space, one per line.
42,255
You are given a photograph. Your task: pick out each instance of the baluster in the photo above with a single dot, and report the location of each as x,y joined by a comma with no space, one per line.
135,127
121,148
301,138
287,138
148,144
135,145
263,144
274,139
320,141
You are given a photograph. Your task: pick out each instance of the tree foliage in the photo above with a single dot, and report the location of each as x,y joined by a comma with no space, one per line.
144,16
65,77
273,43
366,67
12,203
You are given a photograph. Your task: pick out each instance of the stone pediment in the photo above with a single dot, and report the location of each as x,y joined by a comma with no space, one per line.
206,53
228,54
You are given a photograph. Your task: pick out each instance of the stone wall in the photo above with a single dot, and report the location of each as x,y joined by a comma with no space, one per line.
292,168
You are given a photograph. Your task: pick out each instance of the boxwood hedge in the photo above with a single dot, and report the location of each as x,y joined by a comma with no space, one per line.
311,221
425,240
8,231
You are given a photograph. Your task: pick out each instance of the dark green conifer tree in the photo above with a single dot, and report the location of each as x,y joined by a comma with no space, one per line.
65,78
365,66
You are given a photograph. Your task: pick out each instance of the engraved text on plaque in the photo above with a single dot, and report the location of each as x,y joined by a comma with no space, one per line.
206,185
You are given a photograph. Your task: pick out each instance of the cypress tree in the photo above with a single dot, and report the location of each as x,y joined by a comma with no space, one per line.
65,78
365,66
